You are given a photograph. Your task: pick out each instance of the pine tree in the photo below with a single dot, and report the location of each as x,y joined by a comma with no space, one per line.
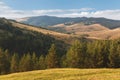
63,62
4,63
105,53
41,62
75,55
34,61
21,63
26,63
14,63
51,58
114,55
96,54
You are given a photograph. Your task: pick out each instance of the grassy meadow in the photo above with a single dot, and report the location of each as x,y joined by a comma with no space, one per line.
65,74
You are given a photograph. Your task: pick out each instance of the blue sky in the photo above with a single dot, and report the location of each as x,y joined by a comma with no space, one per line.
61,8
63,4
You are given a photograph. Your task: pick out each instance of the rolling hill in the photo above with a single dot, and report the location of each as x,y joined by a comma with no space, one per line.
46,21
69,32
78,27
24,39
65,74
104,34
91,28
41,30
29,39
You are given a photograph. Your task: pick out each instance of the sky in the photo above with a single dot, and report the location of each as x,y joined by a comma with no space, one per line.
61,8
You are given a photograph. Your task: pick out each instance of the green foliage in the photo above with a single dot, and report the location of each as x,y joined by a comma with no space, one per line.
81,54
41,62
34,61
4,63
94,54
14,63
73,55
114,55
21,41
51,58
26,63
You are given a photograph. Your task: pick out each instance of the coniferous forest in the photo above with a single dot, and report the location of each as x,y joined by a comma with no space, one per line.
96,54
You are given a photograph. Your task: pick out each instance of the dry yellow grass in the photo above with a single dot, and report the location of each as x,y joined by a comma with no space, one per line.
85,28
104,34
44,31
79,27
94,31
66,74
57,35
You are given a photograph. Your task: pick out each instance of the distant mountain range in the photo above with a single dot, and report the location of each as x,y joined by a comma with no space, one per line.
46,21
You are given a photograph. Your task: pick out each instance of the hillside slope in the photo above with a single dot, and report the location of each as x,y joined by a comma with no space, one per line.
20,40
46,21
103,34
90,28
78,27
66,74
94,31
44,31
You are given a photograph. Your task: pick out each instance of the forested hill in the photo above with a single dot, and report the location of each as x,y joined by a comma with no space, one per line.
42,51
23,41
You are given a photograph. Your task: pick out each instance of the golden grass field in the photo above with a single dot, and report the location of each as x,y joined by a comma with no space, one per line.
95,31
65,74
44,31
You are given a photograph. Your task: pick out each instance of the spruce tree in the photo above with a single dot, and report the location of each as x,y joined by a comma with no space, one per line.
4,63
114,55
26,63
51,58
14,63
96,54
74,56
41,62
34,61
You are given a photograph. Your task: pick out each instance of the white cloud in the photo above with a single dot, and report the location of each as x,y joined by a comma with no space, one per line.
110,14
8,12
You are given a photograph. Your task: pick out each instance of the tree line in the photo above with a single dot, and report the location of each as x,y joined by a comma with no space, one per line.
92,54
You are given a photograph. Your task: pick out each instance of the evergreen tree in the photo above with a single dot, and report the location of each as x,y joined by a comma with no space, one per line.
75,56
21,63
51,58
105,53
96,54
14,63
88,61
114,55
26,63
63,62
41,62
4,63
34,61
